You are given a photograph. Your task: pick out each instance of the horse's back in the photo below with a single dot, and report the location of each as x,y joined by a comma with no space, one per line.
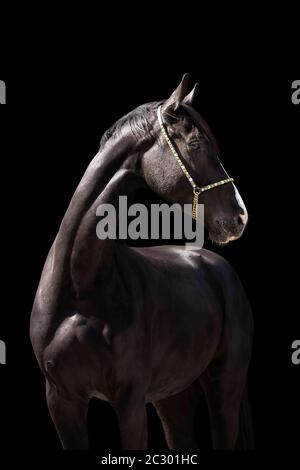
206,269
195,298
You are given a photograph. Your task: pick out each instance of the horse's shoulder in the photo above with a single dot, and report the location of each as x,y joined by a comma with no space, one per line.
212,257
216,262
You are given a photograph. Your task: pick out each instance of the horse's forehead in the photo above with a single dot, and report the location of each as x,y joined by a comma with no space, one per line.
196,118
202,125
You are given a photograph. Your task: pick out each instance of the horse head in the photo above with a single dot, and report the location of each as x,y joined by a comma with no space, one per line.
179,131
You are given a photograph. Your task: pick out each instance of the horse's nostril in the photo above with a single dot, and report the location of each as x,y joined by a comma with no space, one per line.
234,225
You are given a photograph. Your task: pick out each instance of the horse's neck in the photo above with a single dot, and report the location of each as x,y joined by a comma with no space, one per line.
98,174
92,257
77,253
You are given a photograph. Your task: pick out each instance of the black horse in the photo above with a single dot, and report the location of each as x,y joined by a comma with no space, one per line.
157,324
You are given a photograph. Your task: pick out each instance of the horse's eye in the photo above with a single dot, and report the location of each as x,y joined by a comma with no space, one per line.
194,144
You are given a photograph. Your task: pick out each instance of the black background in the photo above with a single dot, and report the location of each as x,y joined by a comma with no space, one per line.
50,130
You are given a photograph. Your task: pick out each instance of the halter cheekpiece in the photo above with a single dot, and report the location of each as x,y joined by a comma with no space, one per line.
197,190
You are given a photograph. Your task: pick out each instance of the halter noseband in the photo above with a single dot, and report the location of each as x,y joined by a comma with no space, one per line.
196,189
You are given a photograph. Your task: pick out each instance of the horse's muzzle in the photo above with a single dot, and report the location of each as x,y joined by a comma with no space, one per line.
225,231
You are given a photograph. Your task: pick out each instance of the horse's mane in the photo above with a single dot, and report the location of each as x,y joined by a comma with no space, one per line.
137,120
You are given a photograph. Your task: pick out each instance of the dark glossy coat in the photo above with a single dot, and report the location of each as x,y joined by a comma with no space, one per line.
137,325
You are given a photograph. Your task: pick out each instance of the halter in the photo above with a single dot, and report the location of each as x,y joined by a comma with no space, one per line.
196,189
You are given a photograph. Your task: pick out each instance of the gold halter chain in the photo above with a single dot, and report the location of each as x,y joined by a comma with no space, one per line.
196,189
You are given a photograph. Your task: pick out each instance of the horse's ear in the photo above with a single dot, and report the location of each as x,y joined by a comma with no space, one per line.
189,99
178,95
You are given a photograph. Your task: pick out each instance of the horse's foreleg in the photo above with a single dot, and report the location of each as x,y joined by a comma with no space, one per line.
69,417
132,417
177,415
224,390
